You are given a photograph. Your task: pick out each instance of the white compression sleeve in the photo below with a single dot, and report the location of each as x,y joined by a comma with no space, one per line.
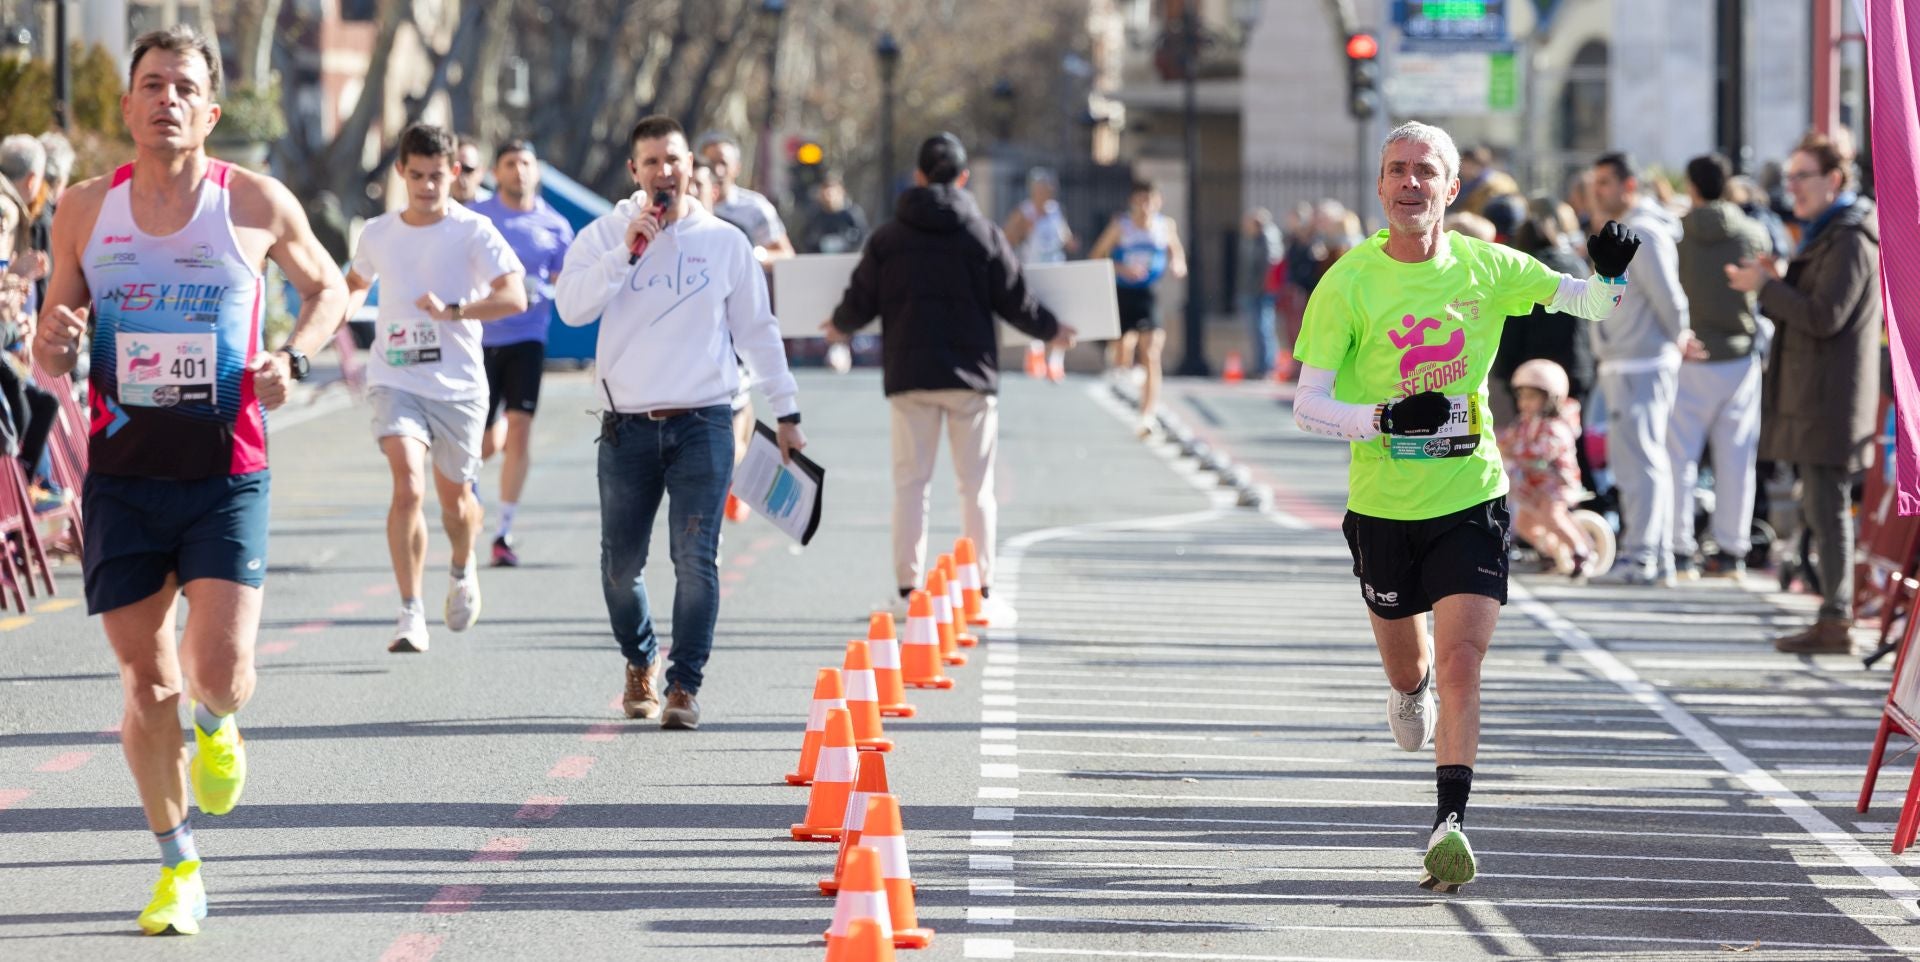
1593,298
1316,411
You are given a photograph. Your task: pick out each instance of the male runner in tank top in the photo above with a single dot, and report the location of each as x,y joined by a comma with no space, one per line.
164,258
1039,232
443,269
1145,245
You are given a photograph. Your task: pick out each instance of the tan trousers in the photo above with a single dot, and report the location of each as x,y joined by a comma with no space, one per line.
973,433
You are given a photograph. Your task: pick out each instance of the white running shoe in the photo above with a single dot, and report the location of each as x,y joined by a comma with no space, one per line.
463,602
1412,717
1449,863
999,614
410,633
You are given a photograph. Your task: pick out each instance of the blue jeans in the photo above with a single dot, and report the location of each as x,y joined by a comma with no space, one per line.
689,460
1265,345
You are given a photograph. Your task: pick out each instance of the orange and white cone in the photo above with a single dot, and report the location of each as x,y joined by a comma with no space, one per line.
1036,359
832,782
956,603
943,618
866,941
871,781
888,837
966,557
920,647
885,649
827,693
737,510
863,700
863,895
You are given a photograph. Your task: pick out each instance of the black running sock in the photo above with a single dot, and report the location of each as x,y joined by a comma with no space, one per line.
1452,783
904,592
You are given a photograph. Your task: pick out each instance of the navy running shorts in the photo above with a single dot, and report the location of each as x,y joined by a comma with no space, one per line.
140,530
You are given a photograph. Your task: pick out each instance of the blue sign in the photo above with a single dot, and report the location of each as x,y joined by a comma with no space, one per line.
1446,21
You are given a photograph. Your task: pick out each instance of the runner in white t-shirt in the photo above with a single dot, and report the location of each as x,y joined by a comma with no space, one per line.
445,269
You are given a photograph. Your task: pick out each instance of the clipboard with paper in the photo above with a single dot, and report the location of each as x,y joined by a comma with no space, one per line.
786,494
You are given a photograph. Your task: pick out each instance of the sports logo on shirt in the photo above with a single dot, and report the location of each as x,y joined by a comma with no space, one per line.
1428,367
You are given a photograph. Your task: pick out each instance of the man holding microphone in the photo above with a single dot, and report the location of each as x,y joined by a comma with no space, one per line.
678,292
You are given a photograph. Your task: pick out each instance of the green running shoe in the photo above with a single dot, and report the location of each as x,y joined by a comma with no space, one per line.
1449,862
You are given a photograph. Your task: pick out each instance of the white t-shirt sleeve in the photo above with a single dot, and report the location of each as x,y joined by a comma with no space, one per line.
776,230
367,251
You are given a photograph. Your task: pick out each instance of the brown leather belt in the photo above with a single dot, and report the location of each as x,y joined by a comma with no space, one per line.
662,414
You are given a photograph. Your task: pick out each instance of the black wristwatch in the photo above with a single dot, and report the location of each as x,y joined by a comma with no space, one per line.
297,363
793,418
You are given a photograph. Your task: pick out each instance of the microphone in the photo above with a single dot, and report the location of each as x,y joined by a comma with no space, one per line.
661,198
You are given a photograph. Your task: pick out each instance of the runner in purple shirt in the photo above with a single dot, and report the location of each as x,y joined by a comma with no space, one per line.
515,348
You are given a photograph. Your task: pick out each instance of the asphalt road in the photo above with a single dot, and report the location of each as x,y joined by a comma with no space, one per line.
1179,753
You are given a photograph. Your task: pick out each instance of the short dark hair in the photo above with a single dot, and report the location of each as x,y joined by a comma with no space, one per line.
1708,174
180,39
424,140
1621,163
517,145
654,128
942,158
1143,187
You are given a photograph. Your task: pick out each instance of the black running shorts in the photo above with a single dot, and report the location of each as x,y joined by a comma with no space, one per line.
1138,309
1406,566
513,377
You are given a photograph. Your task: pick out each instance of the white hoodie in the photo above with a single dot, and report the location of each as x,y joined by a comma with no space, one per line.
670,325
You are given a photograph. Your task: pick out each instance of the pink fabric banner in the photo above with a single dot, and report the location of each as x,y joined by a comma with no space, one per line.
1893,66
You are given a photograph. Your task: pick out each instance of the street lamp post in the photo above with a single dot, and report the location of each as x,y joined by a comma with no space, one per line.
887,50
1193,363
62,68
775,11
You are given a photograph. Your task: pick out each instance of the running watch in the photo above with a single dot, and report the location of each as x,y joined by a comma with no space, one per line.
297,363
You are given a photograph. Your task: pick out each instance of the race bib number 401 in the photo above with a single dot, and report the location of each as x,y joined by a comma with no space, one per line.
1459,437
412,342
165,370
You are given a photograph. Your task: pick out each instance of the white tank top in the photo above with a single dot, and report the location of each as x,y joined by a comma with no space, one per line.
175,320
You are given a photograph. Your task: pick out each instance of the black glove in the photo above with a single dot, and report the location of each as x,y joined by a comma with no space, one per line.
1612,249
1416,415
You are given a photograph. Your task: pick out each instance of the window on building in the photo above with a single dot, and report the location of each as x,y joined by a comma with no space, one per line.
1583,101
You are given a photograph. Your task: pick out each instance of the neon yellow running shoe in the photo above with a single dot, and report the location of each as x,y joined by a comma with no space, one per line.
219,768
179,901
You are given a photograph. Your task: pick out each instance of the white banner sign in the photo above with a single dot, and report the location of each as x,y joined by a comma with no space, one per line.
807,288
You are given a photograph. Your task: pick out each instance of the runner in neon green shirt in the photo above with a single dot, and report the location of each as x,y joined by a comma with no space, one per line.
1396,344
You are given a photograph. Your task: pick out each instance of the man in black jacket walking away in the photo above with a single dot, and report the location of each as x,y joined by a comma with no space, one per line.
936,276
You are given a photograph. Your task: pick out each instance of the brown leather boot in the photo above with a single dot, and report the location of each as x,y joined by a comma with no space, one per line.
1828,636
642,698
682,711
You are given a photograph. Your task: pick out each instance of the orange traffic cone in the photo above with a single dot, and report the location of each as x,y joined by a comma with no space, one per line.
863,699
920,648
966,557
885,649
863,897
1056,365
871,781
943,618
1283,366
737,510
1232,372
956,603
827,693
886,836
865,942
832,782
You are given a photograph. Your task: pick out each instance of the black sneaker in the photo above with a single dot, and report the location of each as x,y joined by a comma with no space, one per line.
1685,568
1722,564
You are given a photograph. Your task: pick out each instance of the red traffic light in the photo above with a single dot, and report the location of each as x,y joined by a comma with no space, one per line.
1362,46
